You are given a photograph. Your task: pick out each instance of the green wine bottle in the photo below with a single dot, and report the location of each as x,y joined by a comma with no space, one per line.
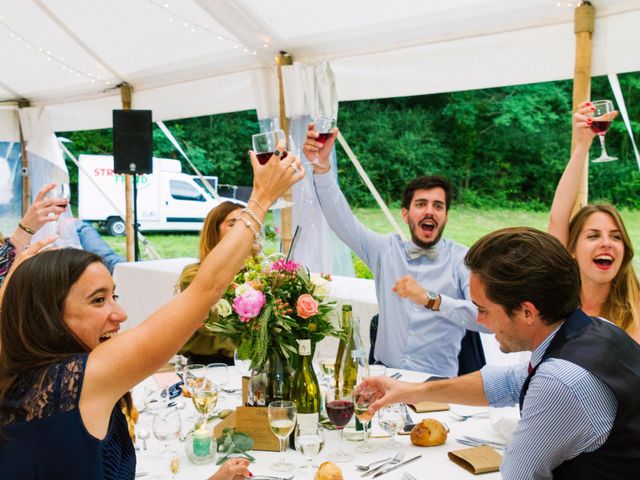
351,364
305,390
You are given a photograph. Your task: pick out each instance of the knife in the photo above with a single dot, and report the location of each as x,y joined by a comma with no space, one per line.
398,465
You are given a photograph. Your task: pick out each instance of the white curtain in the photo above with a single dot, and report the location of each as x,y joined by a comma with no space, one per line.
46,165
309,89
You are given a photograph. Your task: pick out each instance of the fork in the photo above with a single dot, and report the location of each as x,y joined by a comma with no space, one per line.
464,418
396,459
407,476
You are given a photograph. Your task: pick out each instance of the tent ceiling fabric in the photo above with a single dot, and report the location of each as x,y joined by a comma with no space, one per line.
195,57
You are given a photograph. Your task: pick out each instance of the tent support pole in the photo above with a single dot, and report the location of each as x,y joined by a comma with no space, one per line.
26,183
125,95
584,23
284,58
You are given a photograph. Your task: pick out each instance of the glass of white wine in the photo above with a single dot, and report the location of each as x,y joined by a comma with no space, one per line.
309,442
361,402
205,397
282,418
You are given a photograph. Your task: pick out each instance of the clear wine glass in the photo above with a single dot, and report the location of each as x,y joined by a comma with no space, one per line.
193,374
339,407
264,144
324,125
361,401
601,121
166,427
282,418
309,442
392,419
218,373
65,225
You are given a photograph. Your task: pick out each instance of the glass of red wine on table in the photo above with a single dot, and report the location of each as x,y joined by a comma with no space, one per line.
264,146
600,123
339,406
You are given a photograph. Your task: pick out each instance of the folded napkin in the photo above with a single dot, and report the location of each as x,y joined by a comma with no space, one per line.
424,407
477,459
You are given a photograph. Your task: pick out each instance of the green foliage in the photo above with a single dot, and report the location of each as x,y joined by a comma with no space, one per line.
234,444
500,147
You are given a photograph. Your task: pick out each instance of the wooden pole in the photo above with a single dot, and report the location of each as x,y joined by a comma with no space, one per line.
284,58
584,24
125,95
26,182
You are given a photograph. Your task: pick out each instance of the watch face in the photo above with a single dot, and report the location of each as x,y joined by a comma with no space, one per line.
432,295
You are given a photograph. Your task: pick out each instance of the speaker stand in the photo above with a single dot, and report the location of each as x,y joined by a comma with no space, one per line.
136,246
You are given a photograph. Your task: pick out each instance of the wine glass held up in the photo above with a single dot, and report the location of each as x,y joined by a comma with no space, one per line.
603,115
282,419
266,146
339,407
323,125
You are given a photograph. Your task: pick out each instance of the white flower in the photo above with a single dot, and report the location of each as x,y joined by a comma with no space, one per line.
223,307
321,286
241,289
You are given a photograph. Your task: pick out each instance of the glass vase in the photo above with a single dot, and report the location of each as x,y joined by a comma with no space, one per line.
271,381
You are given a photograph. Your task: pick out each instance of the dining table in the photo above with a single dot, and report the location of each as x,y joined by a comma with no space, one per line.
432,464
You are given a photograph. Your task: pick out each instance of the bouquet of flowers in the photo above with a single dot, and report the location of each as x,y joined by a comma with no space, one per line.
272,304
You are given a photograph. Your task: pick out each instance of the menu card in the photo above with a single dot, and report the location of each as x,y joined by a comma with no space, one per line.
424,407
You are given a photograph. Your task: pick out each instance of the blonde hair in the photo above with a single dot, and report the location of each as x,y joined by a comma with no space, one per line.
621,306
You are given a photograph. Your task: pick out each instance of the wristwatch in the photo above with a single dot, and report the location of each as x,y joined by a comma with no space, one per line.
433,301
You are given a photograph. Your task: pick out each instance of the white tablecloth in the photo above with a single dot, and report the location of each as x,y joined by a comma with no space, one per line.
434,463
146,286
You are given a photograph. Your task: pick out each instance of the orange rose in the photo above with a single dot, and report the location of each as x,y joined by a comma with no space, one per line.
306,306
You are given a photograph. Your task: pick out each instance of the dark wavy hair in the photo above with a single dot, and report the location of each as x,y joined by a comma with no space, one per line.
33,333
426,182
524,264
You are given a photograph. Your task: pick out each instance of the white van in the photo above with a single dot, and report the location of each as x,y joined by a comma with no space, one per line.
168,200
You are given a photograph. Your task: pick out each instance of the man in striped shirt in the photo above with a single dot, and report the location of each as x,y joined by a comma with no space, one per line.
580,417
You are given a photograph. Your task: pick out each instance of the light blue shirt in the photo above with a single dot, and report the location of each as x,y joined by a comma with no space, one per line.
566,411
422,340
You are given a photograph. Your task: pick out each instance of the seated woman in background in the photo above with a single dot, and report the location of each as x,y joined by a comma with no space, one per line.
64,369
42,210
597,239
204,346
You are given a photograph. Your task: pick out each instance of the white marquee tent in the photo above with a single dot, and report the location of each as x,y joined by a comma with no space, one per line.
186,58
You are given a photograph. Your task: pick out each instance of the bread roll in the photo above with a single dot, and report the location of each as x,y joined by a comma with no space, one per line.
328,471
428,433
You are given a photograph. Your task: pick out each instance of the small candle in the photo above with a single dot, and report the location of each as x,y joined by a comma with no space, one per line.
201,442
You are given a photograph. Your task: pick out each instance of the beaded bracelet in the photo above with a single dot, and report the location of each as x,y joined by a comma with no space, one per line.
30,231
252,214
249,225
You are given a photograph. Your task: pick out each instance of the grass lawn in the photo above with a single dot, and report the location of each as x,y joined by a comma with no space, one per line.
465,225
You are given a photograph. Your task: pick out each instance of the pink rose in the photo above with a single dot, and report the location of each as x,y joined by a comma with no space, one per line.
306,306
249,304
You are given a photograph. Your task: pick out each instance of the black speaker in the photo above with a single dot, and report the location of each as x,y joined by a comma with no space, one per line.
132,141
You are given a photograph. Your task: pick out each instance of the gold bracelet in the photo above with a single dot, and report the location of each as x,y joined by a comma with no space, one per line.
30,231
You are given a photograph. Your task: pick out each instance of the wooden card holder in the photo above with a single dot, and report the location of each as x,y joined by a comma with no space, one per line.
254,422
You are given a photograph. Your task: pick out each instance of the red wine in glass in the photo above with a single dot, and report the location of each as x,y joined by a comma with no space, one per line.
265,156
339,412
323,137
600,126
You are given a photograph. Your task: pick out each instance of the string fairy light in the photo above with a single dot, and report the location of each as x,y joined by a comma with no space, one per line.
193,26
29,45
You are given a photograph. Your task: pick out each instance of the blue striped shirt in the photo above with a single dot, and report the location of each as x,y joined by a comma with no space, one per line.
423,340
566,411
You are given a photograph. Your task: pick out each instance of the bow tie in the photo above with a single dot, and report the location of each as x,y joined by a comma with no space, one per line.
416,252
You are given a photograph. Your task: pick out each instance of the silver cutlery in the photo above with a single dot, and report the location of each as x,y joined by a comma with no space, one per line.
270,477
396,376
484,441
464,418
396,459
471,443
393,467
143,435
408,476
364,468
141,474
407,416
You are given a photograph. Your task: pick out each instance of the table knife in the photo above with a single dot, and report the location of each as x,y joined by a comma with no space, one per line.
398,465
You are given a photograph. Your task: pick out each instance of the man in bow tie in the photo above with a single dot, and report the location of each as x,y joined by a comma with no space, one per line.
422,285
